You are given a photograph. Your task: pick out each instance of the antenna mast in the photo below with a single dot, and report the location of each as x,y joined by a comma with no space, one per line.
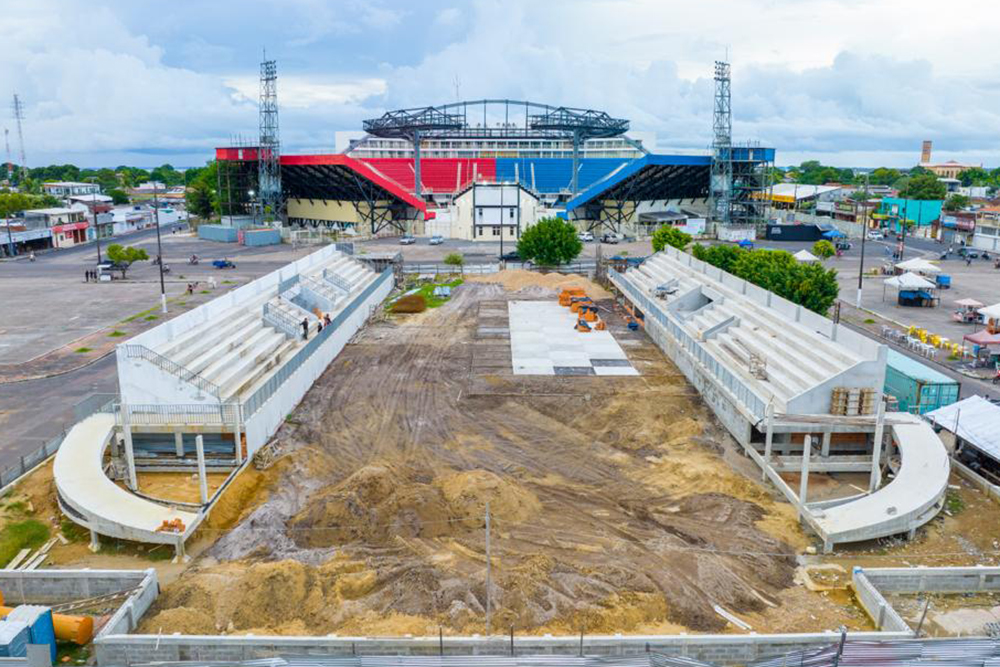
269,160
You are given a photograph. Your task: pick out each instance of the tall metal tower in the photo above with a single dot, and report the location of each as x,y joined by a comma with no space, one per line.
18,110
721,193
269,174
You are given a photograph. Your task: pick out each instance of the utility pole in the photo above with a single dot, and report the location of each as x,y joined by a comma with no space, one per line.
19,116
97,230
864,235
489,606
6,143
159,247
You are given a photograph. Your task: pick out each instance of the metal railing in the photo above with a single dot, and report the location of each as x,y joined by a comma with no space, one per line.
319,292
160,414
435,269
93,404
279,320
288,283
136,351
336,281
736,387
273,383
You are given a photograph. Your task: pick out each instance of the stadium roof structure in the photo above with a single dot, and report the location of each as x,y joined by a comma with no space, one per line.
609,202
378,200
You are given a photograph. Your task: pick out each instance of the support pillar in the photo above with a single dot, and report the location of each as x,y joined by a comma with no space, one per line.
416,163
804,482
131,480
202,478
876,478
179,444
180,555
827,437
95,541
236,434
768,438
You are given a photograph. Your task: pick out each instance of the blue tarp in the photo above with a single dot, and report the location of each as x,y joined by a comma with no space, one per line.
833,234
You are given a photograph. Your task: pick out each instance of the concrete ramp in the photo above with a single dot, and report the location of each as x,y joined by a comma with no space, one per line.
88,496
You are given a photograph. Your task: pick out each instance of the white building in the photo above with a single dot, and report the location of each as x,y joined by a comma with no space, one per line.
68,188
491,211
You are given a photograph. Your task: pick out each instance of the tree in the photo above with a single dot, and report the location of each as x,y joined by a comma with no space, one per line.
974,176
549,242
671,236
956,202
823,249
118,196
883,176
924,187
199,200
454,259
723,256
125,255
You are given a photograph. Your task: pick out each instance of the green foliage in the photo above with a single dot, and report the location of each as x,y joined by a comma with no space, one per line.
454,259
549,242
883,176
125,254
956,202
722,256
26,534
200,200
72,531
15,202
83,350
671,236
812,172
823,249
924,187
116,334
974,176
427,292
118,196
810,285
167,175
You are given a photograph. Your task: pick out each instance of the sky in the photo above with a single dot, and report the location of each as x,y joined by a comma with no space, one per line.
847,82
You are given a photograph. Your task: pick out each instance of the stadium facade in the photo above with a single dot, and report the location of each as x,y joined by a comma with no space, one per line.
437,169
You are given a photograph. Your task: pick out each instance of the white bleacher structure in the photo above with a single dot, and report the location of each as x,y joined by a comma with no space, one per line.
233,367
777,375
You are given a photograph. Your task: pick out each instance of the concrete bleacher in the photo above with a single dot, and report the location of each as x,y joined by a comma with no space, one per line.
555,175
437,175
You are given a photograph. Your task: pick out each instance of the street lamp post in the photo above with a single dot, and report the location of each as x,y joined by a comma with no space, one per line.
253,209
159,248
97,230
864,235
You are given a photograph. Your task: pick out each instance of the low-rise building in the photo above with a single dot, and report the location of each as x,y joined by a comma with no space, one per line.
68,225
95,203
987,231
70,188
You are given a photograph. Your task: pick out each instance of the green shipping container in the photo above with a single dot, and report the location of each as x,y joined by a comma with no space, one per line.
917,387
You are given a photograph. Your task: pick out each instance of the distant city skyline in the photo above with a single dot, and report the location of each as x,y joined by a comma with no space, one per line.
114,82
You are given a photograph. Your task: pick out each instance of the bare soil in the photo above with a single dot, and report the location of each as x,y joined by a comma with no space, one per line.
612,505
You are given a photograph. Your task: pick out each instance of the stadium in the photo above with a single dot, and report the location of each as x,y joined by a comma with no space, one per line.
487,169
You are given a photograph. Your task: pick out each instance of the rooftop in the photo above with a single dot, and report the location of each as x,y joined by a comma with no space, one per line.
67,184
51,211
916,370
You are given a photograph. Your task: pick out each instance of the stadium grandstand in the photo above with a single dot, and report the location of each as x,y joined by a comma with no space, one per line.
414,164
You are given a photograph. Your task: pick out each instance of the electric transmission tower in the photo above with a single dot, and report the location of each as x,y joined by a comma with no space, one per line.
269,174
18,110
722,147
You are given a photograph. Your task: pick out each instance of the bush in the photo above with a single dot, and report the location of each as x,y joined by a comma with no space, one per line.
823,249
26,534
722,256
454,259
670,236
549,242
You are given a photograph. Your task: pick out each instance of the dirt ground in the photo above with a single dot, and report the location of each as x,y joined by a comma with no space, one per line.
612,504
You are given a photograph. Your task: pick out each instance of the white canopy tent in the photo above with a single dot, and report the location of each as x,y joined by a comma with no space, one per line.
910,280
991,312
974,420
805,256
917,265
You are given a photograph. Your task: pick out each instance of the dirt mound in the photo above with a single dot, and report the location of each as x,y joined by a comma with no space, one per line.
412,303
468,492
184,620
517,279
280,592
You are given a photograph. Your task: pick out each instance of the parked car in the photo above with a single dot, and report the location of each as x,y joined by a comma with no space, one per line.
611,237
966,251
511,256
586,237
407,240
436,240
875,235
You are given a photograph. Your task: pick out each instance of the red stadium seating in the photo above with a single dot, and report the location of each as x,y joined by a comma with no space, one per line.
436,174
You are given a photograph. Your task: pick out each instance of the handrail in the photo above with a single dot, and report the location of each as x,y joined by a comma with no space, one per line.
320,290
137,351
280,320
336,280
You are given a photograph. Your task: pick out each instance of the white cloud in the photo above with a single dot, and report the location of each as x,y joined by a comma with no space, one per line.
295,92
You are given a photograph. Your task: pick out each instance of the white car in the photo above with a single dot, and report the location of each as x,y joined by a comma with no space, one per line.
586,237
875,235
407,240
436,240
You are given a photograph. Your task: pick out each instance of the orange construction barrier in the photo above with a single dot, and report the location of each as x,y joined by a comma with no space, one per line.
600,326
582,326
589,313
76,629
566,296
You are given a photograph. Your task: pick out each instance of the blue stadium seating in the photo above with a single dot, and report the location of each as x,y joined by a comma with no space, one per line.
554,175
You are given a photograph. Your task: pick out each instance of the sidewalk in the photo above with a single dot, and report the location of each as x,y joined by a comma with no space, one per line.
95,346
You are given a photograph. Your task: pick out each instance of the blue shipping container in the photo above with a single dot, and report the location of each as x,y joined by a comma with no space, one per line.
14,639
39,622
258,237
917,387
221,233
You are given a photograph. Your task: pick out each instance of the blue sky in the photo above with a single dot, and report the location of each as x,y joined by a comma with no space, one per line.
848,82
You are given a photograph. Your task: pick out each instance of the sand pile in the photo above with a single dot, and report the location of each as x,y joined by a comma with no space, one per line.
468,493
517,279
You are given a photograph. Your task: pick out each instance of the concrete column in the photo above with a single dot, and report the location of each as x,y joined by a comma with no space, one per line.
202,479
180,556
804,482
179,444
768,438
827,437
131,480
95,541
236,434
876,478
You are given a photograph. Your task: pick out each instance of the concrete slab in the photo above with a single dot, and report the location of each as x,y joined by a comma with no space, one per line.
543,341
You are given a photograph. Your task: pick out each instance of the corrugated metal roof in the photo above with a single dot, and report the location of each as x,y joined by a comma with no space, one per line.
977,423
916,370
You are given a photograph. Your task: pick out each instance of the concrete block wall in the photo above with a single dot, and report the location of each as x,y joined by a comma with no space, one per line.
934,579
875,605
126,619
55,586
